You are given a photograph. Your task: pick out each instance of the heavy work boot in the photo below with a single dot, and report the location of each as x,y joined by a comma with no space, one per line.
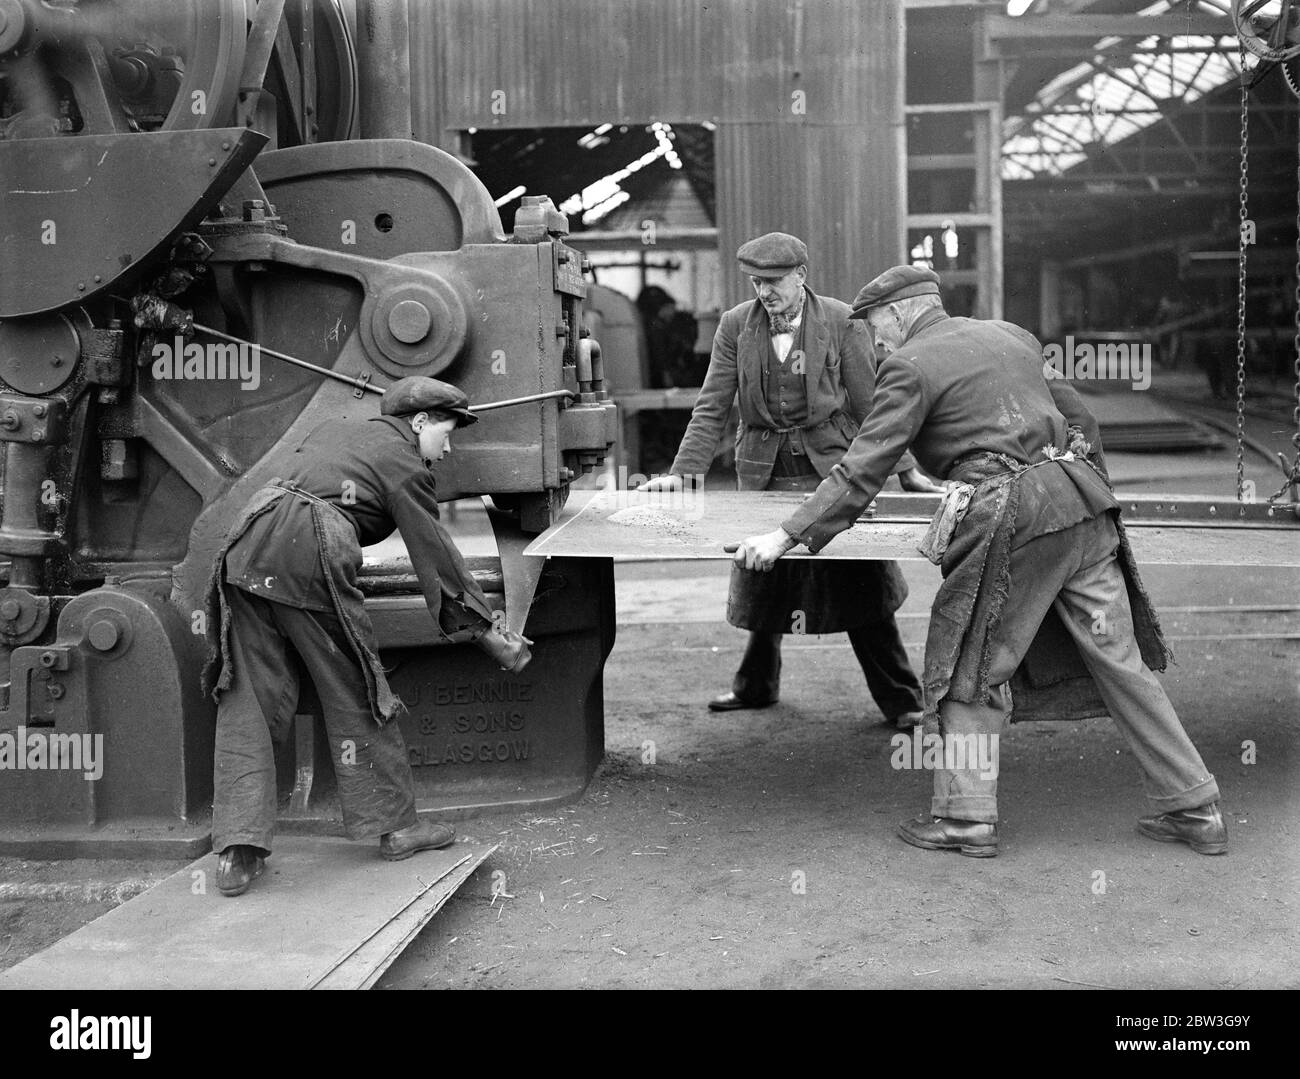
509,649
237,868
422,835
1201,828
975,839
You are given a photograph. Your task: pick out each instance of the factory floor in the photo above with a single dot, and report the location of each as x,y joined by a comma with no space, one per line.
757,848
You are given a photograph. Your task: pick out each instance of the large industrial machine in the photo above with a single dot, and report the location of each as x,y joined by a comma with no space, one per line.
199,262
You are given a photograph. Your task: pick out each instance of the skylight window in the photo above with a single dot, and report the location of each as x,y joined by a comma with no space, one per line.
596,200
1096,103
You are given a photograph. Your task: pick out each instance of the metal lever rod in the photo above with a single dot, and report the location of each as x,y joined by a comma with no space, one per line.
521,400
354,382
364,383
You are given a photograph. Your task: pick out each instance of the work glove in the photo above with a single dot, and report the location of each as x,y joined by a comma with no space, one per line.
510,649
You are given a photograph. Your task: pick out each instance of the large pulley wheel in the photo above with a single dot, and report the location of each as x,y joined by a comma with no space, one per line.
96,67
1269,29
335,58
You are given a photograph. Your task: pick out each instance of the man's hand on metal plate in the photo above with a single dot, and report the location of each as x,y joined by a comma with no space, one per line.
761,552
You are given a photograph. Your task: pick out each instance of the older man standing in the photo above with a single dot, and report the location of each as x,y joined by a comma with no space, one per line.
1041,533
804,375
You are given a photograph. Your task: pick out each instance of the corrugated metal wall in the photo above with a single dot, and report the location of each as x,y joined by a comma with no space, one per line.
806,96
827,185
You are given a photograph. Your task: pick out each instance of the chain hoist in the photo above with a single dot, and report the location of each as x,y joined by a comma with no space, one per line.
1273,42
1276,45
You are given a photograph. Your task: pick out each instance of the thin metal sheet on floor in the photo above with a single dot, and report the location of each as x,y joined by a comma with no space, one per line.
327,913
1164,529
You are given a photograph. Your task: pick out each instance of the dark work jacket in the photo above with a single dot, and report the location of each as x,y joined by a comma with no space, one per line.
348,484
960,386
970,399
839,369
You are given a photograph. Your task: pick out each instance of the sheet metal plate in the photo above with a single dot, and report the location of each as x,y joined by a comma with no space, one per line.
696,525
332,914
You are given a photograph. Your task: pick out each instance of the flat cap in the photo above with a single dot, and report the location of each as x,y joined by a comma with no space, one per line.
774,254
896,283
407,396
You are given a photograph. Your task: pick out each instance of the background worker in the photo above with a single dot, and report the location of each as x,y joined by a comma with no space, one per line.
804,376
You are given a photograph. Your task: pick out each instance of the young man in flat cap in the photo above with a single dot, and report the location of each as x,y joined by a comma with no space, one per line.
286,580
1040,539
804,375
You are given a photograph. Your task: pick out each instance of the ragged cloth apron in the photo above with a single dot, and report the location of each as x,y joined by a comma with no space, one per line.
336,540
1052,680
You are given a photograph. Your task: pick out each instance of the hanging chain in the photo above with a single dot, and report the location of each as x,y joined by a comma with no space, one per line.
1241,286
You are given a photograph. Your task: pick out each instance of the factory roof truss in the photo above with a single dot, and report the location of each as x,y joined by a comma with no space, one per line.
1125,86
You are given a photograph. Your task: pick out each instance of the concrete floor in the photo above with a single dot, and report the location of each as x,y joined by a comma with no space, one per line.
757,849
680,872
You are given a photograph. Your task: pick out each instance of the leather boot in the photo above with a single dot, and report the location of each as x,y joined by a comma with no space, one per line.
1201,828
509,649
237,868
729,702
422,835
975,839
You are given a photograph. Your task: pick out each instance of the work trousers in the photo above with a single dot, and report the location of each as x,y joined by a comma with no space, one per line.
375,788
880,651
1076,572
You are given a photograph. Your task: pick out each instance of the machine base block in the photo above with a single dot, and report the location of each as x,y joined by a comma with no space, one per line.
141,838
